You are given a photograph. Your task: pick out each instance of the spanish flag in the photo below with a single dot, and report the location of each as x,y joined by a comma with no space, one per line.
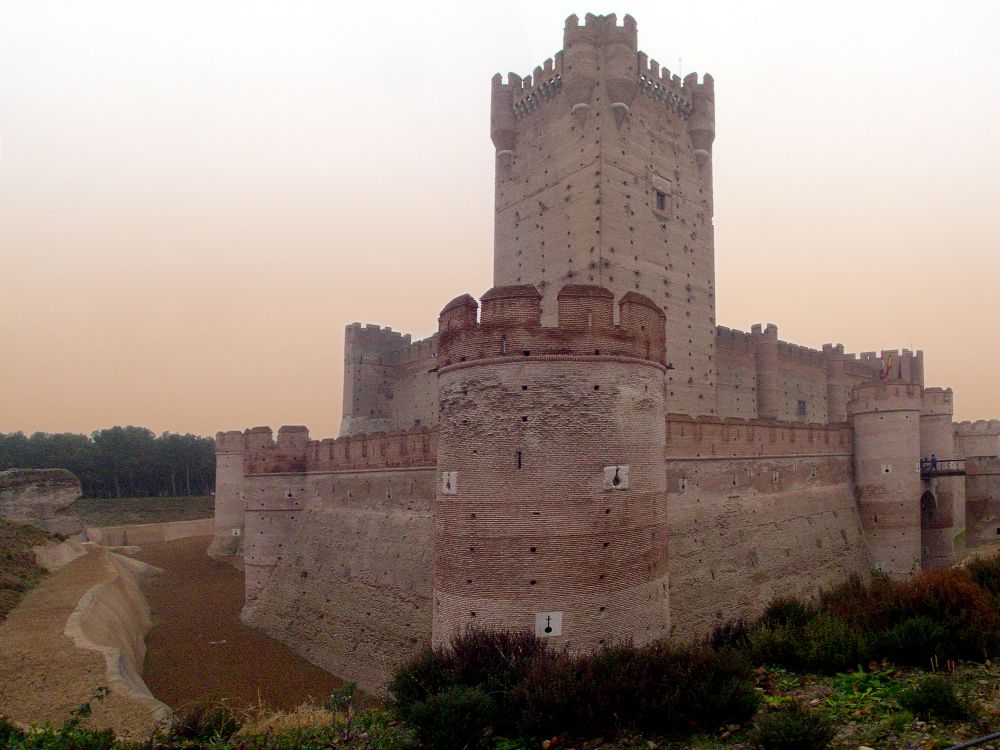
886,370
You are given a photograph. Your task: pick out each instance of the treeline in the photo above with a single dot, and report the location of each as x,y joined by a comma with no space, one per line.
119,461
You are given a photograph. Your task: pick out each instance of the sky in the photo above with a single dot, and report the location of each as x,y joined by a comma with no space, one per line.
197,197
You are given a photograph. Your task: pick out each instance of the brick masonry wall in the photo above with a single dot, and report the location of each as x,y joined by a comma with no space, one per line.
982,501
341,571
745,530
576,190
552,536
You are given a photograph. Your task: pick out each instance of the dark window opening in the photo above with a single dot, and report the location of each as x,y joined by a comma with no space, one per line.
519,459
802,408
661,200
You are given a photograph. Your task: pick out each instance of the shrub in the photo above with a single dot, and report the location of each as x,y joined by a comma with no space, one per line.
985,572
967,614
704,688
829,646
205,722
912,641
933,697
454,719
733,634
494,660
787,611
792,727
10,734
860,605
779,645
426,673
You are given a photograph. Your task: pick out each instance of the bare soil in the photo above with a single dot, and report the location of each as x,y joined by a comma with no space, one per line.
198,650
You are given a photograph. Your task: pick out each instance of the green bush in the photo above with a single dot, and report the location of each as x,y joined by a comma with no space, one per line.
912,641
779,645
9,732
830,646
792,727
540,692
733,634
933,697
454,719
985,572
494,660
787,611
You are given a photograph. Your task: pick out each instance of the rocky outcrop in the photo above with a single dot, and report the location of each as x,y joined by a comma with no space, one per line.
41,498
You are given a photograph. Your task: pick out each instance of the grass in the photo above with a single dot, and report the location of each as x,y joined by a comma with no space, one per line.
135,510
19,570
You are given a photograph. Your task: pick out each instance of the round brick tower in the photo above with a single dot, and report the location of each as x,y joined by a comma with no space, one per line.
551,509
942,505
227,536
887,473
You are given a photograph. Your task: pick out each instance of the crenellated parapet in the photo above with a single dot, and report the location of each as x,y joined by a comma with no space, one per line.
714,437
294,452
508,325
895,366
600,52
416,447
980,438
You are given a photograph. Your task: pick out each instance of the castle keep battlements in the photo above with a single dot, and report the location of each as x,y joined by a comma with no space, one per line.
510,326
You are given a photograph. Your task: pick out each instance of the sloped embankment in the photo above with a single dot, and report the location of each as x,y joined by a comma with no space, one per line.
82,629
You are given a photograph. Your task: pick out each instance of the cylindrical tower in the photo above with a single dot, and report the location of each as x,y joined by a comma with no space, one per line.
766,357
227,539
272,510
551,510
942,504
838,387
886,422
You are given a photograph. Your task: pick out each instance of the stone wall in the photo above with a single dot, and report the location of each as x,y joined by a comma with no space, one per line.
743,530
341,570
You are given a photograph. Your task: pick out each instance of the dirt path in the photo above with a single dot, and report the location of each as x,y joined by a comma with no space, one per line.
199,650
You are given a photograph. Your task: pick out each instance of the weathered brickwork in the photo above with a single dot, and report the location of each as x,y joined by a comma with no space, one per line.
743,530
338,566
583,451
531,523
599,180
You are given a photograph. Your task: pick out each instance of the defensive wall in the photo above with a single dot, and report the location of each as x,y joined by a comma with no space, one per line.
762,376
979,443
756,509
338,550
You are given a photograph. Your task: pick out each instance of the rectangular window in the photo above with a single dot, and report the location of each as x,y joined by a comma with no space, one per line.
519,459
802,408
661,200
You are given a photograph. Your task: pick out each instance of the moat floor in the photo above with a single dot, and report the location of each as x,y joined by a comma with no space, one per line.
199,650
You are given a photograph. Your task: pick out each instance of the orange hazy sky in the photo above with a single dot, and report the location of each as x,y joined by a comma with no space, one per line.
196,197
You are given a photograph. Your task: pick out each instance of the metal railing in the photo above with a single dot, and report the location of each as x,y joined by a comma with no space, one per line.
952,467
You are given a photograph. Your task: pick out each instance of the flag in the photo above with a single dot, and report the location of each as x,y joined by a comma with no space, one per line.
886,370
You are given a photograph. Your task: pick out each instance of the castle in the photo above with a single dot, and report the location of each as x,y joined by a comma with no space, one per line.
583,451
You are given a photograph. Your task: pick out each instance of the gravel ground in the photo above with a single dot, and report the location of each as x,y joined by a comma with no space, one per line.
198,650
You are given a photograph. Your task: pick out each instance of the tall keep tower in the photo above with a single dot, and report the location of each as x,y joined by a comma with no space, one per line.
604,176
